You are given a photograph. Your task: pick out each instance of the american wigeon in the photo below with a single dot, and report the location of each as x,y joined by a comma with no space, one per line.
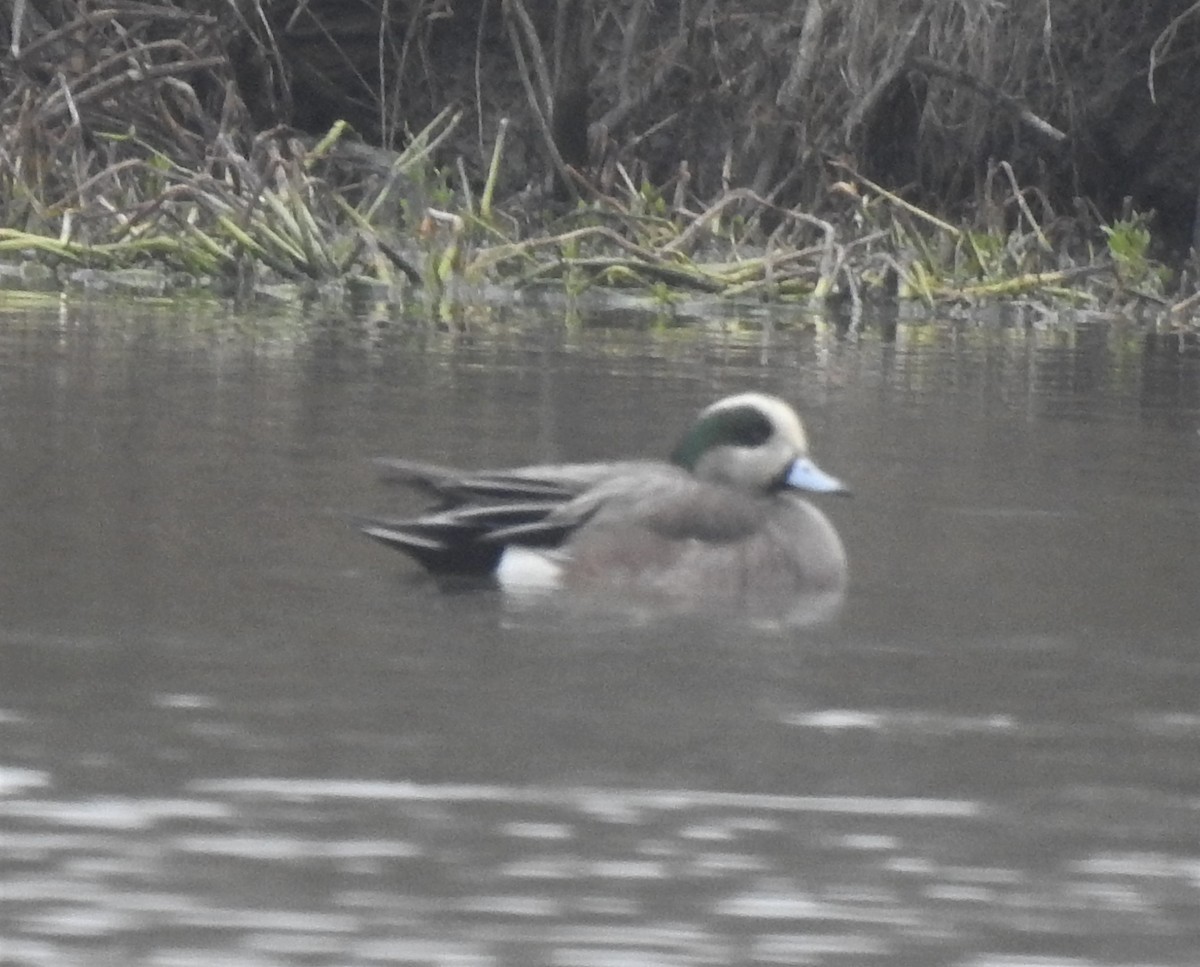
721,525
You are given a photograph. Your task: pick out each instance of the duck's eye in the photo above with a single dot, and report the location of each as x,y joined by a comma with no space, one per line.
750,428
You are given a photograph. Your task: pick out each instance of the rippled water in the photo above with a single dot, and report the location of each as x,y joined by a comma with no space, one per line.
234,732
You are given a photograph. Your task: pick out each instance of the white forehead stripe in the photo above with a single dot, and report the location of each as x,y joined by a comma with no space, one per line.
781,416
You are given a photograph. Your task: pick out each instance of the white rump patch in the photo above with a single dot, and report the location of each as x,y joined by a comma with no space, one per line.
526,569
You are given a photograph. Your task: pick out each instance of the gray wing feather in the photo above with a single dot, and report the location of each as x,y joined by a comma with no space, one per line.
537,482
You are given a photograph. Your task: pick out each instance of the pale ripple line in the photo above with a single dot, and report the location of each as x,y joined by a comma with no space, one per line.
587,797
114,812
836,719
1030,960
14,779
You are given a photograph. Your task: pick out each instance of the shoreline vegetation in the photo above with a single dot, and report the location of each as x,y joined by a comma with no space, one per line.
798,151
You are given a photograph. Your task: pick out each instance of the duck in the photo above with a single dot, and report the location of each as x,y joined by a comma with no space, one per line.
720,524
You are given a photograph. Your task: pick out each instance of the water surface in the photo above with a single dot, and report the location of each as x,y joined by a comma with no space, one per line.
234,732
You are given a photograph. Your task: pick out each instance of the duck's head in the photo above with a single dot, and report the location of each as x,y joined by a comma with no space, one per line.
755,442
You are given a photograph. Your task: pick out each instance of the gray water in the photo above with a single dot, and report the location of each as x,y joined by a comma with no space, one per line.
233,732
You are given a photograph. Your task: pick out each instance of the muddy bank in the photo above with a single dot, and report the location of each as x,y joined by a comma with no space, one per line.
782,150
